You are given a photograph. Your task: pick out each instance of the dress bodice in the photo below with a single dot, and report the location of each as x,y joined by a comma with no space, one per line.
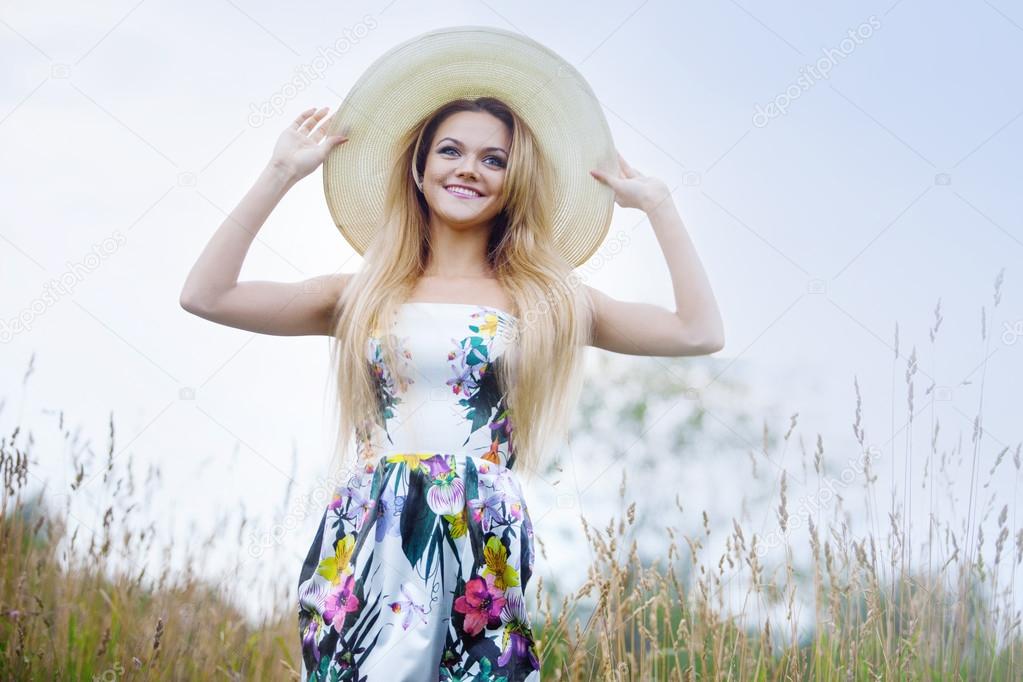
445,395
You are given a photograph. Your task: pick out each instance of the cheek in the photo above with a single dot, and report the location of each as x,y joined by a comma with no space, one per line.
496,183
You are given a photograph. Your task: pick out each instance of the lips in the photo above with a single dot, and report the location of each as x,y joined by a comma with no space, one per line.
463,192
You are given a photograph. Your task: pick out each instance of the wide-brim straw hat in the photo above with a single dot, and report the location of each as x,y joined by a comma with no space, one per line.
421,74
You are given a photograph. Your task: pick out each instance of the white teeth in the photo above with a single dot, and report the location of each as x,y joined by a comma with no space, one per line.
463,192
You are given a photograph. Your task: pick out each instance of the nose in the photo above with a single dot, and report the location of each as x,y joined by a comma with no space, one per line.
467,167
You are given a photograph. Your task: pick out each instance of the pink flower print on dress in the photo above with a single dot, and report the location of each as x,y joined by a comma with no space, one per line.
481,604
340,602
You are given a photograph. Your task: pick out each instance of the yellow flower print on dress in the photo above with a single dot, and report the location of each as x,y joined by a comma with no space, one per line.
334,567
496,556
413,460
489,327
457,524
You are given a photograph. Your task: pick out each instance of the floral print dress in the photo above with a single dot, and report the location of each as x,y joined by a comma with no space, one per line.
419,566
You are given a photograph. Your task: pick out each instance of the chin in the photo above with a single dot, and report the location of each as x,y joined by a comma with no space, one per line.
449,212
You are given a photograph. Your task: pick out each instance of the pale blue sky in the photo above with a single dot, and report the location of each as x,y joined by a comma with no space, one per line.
889,184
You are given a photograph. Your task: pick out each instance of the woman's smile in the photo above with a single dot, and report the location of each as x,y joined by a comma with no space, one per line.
463,193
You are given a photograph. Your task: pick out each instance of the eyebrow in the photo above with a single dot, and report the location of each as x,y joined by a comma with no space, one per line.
486,149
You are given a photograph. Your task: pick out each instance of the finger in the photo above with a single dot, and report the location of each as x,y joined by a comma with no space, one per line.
333,140
343,134
331,125
338,137
628,170
603,178
311,122
301,117
321,131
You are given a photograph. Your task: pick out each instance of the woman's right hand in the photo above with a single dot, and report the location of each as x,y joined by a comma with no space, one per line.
300,149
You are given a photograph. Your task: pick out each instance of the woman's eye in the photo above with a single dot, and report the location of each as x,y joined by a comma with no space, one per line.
500,163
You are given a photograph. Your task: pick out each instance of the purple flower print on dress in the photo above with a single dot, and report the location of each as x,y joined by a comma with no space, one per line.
309,639
437,465
340,497
389,515
487,510
313,594
460,354
464,381
359,509
446,495
519,647
505,482
481,604
514,610
502,423
518,640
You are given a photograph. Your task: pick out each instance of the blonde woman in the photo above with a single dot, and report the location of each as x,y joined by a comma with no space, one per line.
457,348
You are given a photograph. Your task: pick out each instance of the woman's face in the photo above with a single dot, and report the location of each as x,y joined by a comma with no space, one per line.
470,149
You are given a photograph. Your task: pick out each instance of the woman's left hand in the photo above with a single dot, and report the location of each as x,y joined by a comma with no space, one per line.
633,189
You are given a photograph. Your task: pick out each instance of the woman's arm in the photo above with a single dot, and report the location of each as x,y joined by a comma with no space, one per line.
212,290
695,327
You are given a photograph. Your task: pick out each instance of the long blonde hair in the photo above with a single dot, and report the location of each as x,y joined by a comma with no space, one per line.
541,368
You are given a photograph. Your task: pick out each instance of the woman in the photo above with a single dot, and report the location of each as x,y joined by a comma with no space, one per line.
422,558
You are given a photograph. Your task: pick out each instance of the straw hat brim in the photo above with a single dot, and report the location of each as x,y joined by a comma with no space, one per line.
415,77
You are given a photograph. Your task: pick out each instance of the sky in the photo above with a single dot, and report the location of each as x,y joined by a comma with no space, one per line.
840,169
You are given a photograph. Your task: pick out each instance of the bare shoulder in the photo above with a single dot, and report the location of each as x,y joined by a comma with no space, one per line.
326,289
595,295
598,300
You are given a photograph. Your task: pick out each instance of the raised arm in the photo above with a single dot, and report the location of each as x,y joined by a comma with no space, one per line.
212,290
695,326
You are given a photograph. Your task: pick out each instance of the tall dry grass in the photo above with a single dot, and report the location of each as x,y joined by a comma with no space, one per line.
877,611
75,606
70,610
